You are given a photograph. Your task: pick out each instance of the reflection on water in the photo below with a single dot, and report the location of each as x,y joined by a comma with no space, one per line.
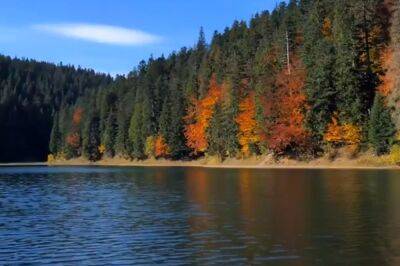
201,216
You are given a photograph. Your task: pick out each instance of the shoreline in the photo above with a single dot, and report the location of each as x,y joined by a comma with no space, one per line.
250,163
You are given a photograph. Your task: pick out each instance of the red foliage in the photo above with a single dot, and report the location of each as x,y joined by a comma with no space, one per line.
388,80
74,140
286,130
77,116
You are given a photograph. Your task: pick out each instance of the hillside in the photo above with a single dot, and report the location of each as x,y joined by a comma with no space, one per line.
308,78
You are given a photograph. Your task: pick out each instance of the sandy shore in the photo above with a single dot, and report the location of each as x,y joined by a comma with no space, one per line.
252,163
363,161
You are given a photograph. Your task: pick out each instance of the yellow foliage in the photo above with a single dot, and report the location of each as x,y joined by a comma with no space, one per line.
102,149
397,136
51,158
327,29
247,124
149,146
333,132
394,156
342,134
351,133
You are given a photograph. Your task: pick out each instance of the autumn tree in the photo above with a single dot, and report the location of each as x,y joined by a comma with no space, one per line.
74,138
149,147
391,81
248,129
286,131
342,134
199,116
161,148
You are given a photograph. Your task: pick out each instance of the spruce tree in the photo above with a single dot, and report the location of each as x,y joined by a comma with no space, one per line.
55,137
91,140
319,58
122,141
381,127
135,132
349,102
176,139
216,134
110,134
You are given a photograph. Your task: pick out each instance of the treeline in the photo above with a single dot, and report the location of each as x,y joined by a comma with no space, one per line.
306,78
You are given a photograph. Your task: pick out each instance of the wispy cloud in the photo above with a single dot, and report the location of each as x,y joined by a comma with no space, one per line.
99,33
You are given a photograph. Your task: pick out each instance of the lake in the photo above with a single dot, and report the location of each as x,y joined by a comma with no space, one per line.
180,216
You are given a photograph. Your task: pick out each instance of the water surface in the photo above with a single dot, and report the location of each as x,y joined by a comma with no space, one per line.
96,215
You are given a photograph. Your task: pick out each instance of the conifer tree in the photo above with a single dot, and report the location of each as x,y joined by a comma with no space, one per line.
110,134
319,59
216,134
135,132
55,137
381,127
349,102
91,140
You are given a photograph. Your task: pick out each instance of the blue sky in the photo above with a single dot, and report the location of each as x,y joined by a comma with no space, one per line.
113,35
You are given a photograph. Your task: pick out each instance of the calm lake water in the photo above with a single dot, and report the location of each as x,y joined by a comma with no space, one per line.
201,216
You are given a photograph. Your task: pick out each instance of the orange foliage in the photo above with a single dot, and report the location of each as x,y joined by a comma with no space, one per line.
77,116
74,140
161,148
388,80
101,149
247,124
199,115
287,131
342,134
327,29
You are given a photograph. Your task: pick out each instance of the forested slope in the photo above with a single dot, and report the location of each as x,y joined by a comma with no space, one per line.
306,78
30,94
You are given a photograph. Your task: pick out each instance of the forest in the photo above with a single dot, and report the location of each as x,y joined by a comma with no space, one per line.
307,78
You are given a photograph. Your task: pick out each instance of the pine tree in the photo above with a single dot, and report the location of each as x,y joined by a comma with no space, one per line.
122,141
381,127
175,137
55,137
216,134
135,132
319,58
110,134
349,102
91,141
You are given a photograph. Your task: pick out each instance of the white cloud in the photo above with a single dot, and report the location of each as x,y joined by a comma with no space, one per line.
100,33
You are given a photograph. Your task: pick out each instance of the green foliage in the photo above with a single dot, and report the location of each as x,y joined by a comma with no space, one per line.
135,132
55,137
110,134
349,98
91,141
381,128
149,147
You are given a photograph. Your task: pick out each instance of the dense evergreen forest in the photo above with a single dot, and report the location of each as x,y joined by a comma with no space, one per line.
306,78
